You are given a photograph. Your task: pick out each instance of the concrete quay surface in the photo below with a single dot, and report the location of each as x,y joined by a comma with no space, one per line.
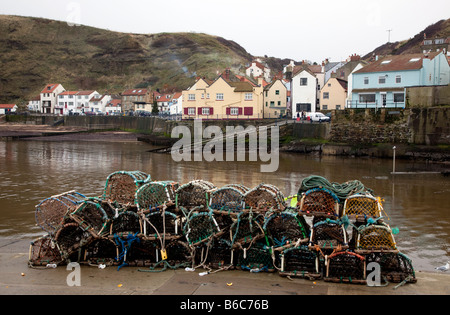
16,278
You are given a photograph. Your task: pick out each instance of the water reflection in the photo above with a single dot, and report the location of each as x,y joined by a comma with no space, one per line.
32,171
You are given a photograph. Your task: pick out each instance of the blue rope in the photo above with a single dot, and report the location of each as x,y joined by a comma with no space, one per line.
125,245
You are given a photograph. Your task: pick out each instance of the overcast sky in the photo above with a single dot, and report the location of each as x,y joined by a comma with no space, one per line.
296,29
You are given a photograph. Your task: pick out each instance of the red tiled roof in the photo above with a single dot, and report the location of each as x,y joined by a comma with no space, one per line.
114,103
7,106
69,93
397,63
85,92
49,88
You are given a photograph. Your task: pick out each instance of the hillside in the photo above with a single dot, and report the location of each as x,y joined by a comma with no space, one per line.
35,51
412,45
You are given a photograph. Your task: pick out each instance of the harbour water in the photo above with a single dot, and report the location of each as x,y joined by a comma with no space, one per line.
419,205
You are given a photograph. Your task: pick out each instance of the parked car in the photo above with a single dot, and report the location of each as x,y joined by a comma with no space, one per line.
318,117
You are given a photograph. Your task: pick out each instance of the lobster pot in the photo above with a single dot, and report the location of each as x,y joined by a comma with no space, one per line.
256,259
200,227
218,254
319,202
71,237
126,222
395,267
224,220
140,252
243,189
50,212
179,254
247,228
101,251
346,267
194,194
227,199
264,197
44,251
362,207
121,187
153,195
283,227
92,218
375,238
163,223
328,234
300,262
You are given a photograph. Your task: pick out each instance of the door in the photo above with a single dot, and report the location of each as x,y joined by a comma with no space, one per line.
383,99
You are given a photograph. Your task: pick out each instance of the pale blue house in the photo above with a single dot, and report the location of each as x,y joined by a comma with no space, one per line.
383,82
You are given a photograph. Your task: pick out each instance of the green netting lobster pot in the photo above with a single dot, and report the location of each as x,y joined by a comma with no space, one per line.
285,227
319,202
264,197
71,237
200,227
257,258
162,223
153,195
361,207
346,267
179,254
328,234
227,199
121,187
300,262
101,251
196,193
395,267
44,251
126,222
375,238
247,228
50,212
220,254
91,216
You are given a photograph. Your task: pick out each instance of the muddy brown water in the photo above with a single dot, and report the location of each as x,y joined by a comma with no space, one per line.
419,205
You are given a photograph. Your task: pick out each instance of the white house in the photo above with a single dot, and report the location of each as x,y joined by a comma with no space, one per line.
34,104
7,108
303,92
72,102
176,106
114,107
49,102
97,104
257,69
164,102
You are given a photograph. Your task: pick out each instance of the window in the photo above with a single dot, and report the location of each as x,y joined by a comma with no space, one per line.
279,103
414,59
277,92
203,95
367,98
326,95
382,79
398,79
385,62
234,111
191,97
191,111
303,81
399,97
205,111
219,96
325,107
272,104
207,96
249,96
338,107
366,80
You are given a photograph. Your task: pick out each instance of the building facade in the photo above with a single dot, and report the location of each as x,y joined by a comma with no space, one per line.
275,99
303,92
49,99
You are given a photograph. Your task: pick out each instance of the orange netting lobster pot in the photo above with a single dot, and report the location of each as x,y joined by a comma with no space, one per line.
319,202
347,267
375,238
362,207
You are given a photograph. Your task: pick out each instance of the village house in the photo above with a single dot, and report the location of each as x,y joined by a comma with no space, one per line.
114,106
49,102
225,98
383,82
176,107
164,102
275,99
136,99
74,102
303,91
257,69
333,94
7,108
97,104
34,104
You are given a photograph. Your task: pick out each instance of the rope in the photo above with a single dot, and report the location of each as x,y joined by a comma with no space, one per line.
342,191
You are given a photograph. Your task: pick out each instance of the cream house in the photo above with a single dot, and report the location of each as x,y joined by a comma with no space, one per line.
333,94
275,99
223,99
49,102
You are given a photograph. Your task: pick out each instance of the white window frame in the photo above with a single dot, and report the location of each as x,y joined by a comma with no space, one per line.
382,79
191,97
219,96
249,96
398,79
234,111
205,111
191,111
366,80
